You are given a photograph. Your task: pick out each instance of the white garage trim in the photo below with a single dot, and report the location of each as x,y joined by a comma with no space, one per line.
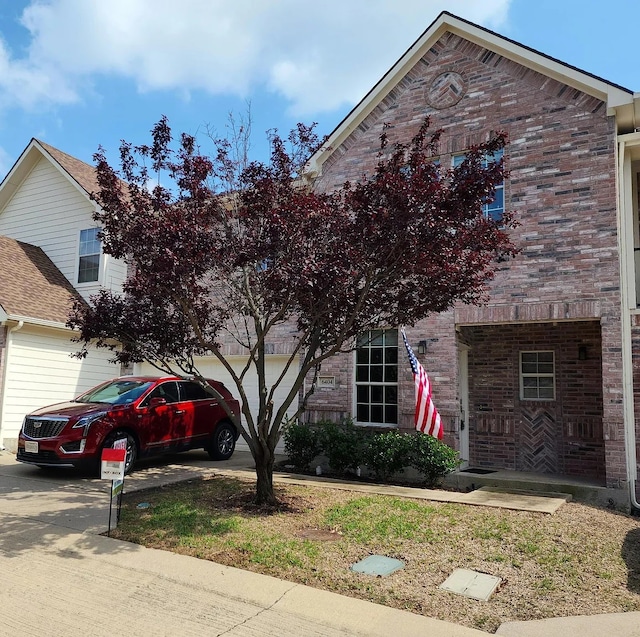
40,371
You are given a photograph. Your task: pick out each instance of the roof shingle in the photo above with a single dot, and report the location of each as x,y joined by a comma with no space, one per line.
31,285
83,173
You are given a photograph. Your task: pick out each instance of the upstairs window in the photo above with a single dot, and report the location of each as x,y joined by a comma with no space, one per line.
89,261
493,209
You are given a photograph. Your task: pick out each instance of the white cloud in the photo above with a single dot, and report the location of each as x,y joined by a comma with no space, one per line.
318,55
5,162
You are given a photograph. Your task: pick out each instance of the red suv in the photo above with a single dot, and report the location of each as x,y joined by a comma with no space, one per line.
154,415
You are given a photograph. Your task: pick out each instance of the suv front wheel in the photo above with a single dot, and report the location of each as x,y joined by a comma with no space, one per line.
132,448
223,442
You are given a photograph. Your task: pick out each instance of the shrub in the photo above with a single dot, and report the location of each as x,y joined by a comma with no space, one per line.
387,453
341,444
301,444
432,458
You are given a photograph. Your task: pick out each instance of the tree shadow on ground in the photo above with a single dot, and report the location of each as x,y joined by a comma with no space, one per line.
631,556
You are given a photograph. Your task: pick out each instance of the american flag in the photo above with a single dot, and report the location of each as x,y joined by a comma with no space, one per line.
427,418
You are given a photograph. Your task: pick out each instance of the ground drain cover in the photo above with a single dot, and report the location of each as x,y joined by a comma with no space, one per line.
471,584
480,472
377,565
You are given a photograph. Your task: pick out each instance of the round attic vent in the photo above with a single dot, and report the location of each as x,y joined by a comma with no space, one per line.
447,89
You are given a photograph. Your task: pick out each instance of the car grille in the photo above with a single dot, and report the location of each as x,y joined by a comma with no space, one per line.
35,427
42,457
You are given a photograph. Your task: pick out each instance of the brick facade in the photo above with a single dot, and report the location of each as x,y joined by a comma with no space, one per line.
563,286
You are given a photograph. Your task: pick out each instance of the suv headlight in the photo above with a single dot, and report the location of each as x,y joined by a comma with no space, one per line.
85,421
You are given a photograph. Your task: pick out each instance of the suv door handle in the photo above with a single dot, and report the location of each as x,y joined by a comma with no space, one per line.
179,411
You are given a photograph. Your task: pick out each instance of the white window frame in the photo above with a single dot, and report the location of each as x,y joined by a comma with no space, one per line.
384,384
80,256
486,210
537,374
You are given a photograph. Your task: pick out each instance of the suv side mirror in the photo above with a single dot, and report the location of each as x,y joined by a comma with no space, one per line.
157,401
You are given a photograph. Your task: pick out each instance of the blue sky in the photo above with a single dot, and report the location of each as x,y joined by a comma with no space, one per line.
83,73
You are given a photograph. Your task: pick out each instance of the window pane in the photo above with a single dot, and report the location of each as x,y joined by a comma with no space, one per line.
529,368
88,269
377,414
376,372
391,355
529,357
545,357
529,382
377,392
391,338
363,393
530,393
545,382
376,338
391,414
391,374
546,392
362,374
362,356
363,413
193,391
377,356
391,395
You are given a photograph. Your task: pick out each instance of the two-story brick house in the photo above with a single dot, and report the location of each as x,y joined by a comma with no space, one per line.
540,378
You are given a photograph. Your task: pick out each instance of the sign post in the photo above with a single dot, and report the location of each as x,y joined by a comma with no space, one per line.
112,468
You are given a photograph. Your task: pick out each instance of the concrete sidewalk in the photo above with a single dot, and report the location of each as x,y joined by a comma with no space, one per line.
58,577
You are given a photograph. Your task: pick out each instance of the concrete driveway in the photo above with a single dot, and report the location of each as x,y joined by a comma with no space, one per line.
61,578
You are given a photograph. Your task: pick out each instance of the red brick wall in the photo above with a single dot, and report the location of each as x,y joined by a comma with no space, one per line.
570,426
561,159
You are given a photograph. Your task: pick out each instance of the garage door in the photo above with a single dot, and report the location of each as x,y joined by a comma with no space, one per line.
212,368
40,371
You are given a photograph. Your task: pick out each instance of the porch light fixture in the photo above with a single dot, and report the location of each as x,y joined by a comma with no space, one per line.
582,353
422,347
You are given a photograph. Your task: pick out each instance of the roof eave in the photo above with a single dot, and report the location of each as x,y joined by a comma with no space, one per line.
33,321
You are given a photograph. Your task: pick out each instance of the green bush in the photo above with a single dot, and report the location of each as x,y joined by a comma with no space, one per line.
342,445
387,453
432,458
301,444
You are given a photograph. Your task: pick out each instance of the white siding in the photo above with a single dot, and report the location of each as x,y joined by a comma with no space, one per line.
48,211
40,372
212,368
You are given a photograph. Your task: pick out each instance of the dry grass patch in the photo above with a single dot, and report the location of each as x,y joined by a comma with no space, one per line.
582,560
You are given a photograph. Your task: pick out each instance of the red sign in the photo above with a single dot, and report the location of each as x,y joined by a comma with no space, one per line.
113,455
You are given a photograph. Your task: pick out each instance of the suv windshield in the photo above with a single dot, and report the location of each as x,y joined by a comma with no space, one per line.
117,392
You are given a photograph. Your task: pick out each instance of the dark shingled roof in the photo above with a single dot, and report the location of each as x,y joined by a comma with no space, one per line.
31,285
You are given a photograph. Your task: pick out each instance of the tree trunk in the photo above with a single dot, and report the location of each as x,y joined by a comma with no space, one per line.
264,474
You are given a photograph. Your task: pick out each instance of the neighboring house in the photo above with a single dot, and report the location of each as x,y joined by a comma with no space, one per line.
541,378
49,254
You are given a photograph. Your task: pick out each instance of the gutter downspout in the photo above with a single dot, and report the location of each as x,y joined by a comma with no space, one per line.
5,368
625,328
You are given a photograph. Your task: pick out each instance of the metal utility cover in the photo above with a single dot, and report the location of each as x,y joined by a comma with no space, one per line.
377,565
471,584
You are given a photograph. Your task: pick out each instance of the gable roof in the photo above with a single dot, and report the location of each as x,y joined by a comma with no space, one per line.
31,286
619,100
80,174
83,173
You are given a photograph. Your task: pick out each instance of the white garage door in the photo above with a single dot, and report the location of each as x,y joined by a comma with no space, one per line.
40,371
212,368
